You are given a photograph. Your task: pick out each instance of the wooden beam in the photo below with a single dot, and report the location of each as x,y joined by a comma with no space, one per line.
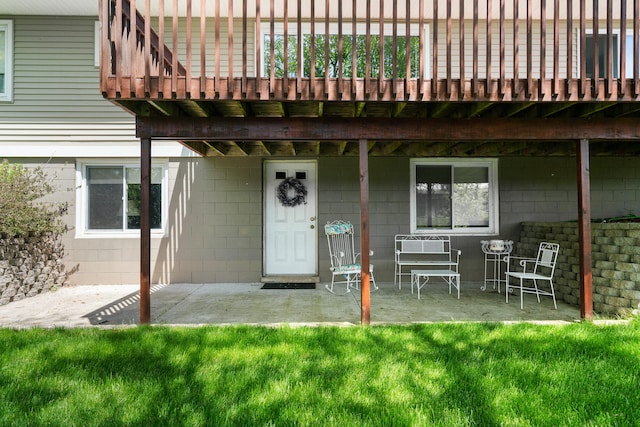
584,230
198,147
145,231
365,290
391,129
164,107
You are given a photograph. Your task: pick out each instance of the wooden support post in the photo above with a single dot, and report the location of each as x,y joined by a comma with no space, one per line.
365,317
145,230
584,230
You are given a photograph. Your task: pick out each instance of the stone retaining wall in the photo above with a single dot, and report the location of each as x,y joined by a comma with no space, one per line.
616,262
30,265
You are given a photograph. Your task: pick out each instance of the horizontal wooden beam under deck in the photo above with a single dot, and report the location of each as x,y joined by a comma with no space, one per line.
397,129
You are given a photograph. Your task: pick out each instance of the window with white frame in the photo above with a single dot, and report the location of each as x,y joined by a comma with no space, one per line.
110,198
602,42
454,196
6,60
630,54
347,47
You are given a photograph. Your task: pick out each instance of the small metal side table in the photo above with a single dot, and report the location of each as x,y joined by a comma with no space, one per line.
494,252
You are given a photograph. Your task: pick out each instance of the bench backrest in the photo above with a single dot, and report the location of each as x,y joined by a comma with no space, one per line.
418,245
423,246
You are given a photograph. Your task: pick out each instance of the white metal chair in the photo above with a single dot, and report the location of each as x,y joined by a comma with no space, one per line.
345,266
539,269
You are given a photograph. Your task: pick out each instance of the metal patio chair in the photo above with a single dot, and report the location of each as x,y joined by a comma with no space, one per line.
538,269
345,265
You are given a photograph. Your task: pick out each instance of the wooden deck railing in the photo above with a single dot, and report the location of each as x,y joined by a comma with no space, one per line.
404,50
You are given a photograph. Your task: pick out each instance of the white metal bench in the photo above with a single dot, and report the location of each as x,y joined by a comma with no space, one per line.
427,254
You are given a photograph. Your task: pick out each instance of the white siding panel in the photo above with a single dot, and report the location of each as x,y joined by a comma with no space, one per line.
57,97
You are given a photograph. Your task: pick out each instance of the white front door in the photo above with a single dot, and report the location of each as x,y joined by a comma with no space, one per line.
290,225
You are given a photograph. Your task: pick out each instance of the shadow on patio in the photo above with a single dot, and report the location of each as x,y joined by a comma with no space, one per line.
197,304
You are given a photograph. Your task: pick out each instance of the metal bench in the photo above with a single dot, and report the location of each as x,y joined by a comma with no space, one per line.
425,256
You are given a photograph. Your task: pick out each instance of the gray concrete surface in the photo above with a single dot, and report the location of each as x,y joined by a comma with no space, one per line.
246,303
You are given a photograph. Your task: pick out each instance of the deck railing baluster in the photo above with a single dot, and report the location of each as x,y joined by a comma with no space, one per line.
245,47
583,49
285,78
543,49
189,40
448,55
474,79
340,52
203,48
423,46
556,48
394,48
105,59
609,81
327,62
489,43
258,49
381,49
354,53
407,52
367,73
595,86
623,48
461,73
516,47
133,48
230,77
609,64
529,48
162,70
502,84
312,54
569,47
636,46
174,50
272,41
299,51
118,41
216,52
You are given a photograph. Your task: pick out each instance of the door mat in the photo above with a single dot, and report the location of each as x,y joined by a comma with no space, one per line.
288,286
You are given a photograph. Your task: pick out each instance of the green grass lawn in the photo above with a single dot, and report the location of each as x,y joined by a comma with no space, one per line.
450,374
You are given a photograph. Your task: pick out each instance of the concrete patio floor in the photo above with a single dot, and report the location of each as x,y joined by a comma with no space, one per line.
246,303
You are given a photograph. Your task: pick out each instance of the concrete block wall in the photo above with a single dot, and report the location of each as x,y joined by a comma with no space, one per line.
615,268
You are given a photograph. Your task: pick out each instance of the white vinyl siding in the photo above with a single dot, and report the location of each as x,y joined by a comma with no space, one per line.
58,102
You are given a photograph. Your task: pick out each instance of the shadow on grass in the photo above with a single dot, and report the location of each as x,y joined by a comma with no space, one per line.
438,374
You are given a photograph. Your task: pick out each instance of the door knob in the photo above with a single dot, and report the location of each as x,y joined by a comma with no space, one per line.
313,218
313,226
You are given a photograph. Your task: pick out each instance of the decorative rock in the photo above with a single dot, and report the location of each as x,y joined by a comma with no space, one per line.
31,265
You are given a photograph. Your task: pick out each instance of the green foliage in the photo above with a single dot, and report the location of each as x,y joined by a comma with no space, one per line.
451,374
21,207
334,64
